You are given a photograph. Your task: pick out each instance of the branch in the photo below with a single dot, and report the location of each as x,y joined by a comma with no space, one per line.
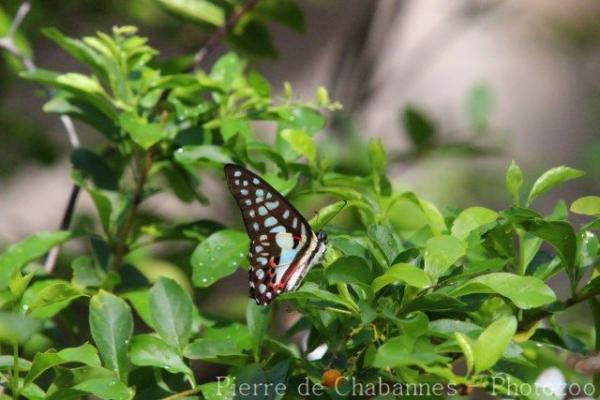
120,244
214,39
8,43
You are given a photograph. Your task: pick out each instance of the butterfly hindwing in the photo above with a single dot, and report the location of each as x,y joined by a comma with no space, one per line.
283,246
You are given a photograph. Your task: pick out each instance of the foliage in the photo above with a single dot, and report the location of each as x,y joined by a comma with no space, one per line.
401,297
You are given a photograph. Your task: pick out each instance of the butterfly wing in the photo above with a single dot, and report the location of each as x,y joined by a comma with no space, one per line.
282,242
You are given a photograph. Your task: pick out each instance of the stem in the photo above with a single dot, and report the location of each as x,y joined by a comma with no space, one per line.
521,264
15,377
120,241
214,39
183,394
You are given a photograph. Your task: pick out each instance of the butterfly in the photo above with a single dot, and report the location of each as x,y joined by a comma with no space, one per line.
283,247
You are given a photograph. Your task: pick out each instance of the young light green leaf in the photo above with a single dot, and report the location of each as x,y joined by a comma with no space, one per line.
20,254
466,345
141,131
301,143
219,256
514,181
202,11
524,291
588,205
492,342
111,325
194,154
149,350
232,126
377,156
402,273
550,179
84,354
171,312
441,253
51,299
471,219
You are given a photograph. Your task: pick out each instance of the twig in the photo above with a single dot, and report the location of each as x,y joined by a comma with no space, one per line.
217,35
8,43
123,233
185,393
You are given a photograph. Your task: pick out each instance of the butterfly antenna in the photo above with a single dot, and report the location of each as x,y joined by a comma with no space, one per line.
332,216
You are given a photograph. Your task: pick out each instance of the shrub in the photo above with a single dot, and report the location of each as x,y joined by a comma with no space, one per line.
393,304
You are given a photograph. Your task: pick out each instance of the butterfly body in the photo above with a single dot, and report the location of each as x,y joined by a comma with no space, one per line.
283,247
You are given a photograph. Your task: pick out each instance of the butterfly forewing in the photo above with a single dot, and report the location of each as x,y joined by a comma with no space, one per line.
282,241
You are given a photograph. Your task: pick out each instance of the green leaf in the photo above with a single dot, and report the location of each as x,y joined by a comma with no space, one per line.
350,269
16,328
96,381
257,319
419,128
7,363
35,246
253,36
232,126
286,12
111,325
471,219
441,253
305,119
309,291
84,354
524,291
194,154
377,156
552,178
479,108
140,301
588,205
403,351
402,273
219,256
466,345
301,143
141,131
171,312
95,166
51,299
202,11
148,350
560,235
228,70
215,350
514,181
493,341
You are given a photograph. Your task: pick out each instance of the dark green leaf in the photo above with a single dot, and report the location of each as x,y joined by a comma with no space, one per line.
84,354
349,269
148,350
257,319
219,256
111,325
51,299
419,128
524,291
171,312
16,328
402,273
94,166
